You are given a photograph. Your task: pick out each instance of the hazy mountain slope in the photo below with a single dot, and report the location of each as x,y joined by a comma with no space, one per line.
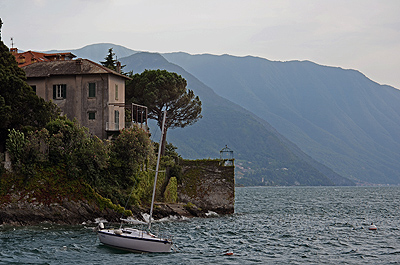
225,123
339,117
188,146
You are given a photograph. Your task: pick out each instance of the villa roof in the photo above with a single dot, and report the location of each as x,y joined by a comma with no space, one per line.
70,67
29,57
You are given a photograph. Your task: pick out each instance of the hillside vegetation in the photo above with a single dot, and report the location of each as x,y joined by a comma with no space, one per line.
338,117
55,160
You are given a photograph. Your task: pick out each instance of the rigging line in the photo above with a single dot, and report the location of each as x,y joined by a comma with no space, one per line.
157,168
126,204
155,134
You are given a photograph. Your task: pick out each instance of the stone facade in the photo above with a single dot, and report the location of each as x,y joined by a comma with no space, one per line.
208,184
87,91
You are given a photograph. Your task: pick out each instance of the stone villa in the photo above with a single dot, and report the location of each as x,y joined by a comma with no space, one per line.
85,90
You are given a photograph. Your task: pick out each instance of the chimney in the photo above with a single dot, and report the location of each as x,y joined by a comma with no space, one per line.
118,67
78,63
14,51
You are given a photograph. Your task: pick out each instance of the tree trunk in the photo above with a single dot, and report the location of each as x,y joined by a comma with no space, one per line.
164,142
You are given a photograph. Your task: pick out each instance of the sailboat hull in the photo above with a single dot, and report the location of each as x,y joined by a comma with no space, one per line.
134,240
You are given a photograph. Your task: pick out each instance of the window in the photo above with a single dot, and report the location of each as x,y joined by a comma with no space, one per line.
92,115
92,90
116,114
59,91
33,88
116,92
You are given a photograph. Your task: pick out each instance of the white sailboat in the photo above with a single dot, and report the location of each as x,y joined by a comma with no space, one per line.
134,239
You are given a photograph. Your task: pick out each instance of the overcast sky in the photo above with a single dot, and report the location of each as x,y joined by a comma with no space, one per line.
357,34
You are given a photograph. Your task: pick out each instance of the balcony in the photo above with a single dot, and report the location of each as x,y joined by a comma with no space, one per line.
112,126
140,125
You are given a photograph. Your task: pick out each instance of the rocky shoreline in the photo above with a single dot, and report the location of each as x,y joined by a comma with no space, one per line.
79,212
207,187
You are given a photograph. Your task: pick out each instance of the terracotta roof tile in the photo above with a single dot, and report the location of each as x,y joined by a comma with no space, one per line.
71,67
29,57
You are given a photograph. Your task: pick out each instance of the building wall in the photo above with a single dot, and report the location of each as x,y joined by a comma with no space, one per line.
116,102
96,104
78,104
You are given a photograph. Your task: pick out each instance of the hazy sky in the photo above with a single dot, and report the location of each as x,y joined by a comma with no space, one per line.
357,34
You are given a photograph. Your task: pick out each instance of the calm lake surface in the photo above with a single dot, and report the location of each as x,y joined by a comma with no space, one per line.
284,225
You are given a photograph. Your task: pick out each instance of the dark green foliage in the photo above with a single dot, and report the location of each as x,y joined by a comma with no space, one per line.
109,60
71,145
43,186
62,143
161,90
131,166
24,153
143,188
20,108
111,168
170,160
170,157
175,171
171,191
129,153
170,150
51,185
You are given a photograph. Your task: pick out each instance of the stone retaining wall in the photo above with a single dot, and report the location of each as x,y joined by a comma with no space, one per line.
208,184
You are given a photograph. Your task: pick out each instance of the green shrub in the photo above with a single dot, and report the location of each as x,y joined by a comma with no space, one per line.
129,152
171,191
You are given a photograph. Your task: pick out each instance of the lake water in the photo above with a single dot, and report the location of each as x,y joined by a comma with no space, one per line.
271,225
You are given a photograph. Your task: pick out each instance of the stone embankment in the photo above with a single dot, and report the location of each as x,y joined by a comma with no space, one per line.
208,184
206,187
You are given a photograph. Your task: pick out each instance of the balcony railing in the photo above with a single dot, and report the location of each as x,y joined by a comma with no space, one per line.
112,126
140,125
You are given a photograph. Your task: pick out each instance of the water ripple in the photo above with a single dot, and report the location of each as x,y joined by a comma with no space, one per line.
296,225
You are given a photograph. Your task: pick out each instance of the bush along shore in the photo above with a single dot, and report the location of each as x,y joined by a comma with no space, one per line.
55,199
62,174
50,196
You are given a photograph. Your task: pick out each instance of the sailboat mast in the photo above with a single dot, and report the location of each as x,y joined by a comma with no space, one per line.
158,164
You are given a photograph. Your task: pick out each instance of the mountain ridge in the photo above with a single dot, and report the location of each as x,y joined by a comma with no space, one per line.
227,123
329,113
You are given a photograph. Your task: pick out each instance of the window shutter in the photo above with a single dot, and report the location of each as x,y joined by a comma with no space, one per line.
92,90
63,91
92,115
54,91
116,119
